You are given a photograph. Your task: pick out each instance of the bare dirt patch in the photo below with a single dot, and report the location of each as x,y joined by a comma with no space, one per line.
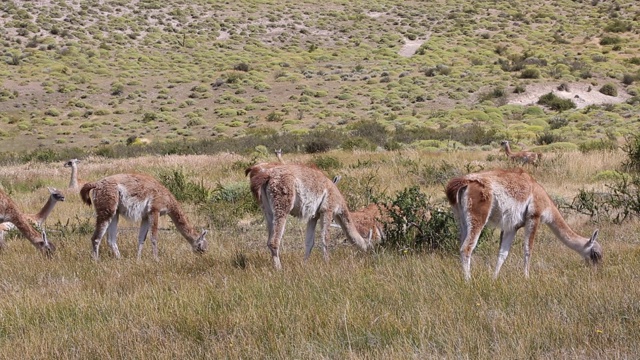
410,47
582,94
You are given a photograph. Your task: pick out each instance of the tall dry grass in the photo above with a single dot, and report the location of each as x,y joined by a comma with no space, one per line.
231,303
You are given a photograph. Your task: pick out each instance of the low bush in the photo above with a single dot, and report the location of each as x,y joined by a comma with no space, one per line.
553,102
610,40
228,203
183,189
632,149
530,73
547,138
597,145
414,224
609,89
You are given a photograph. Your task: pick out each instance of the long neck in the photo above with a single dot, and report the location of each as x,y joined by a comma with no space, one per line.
507,149
564,233
42,215
182,223
350,230
25,228
73,183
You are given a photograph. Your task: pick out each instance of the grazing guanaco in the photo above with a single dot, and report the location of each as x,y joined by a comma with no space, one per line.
9,212
304,192
510,200
137,197
36,219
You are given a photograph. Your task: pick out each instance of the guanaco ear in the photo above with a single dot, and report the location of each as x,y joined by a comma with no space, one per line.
202,235
593,238
47,248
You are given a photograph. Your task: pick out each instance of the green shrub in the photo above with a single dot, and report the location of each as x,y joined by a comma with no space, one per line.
534,111
632,149
228,203
415,225
433,174
52,112
554,102
358,143
242,67
41,155
275,116
609,89
326,162
183,189
610,40
558,122
618,26
117,89
619,203
547,138
373,131
597,145
628,79
530,73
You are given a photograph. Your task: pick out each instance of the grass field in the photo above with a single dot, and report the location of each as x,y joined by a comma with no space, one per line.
231,303
388,95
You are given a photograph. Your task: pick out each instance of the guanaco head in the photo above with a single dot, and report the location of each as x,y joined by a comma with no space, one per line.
46,247
56,194
594,250
504,143
200,245
71,163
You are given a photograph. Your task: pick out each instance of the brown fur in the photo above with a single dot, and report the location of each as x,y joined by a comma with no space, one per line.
9,212
370,220
137,197
304,192
510,200
39,218
524,157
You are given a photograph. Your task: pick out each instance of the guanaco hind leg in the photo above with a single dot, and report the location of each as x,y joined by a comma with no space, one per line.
112,233
310,236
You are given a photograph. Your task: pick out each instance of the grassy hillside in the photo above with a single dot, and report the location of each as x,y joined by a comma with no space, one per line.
231,303
89,73
437,84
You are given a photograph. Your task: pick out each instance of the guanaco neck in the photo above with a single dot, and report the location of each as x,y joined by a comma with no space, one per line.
42,215
564,233
73,183
507,149
25,228
182,223
346,223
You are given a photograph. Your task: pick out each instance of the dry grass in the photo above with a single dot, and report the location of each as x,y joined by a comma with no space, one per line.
231,303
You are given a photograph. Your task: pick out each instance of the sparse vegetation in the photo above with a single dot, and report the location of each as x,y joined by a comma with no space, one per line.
194,92
116,302
243,71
